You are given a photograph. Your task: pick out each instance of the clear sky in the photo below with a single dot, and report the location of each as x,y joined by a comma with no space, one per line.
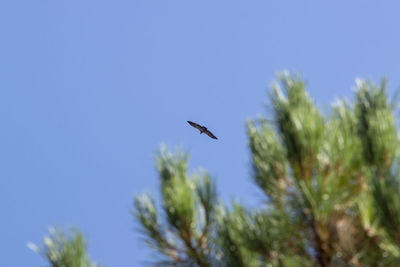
90,89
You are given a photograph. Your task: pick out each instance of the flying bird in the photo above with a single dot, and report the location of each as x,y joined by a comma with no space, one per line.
202,129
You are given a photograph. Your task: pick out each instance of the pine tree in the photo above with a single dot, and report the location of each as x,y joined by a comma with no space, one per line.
64,249
331,185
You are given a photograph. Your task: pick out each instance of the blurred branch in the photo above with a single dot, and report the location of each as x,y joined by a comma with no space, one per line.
64,249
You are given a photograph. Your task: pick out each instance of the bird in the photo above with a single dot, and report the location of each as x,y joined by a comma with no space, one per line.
202,129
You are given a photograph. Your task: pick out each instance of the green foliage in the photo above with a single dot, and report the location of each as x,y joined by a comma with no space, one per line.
64,249
184,232
376,124
301,126
269,161
331,184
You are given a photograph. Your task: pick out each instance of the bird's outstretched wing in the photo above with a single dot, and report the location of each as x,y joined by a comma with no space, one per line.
210,134
197,126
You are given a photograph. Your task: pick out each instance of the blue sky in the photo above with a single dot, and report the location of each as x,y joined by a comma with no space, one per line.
90,89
